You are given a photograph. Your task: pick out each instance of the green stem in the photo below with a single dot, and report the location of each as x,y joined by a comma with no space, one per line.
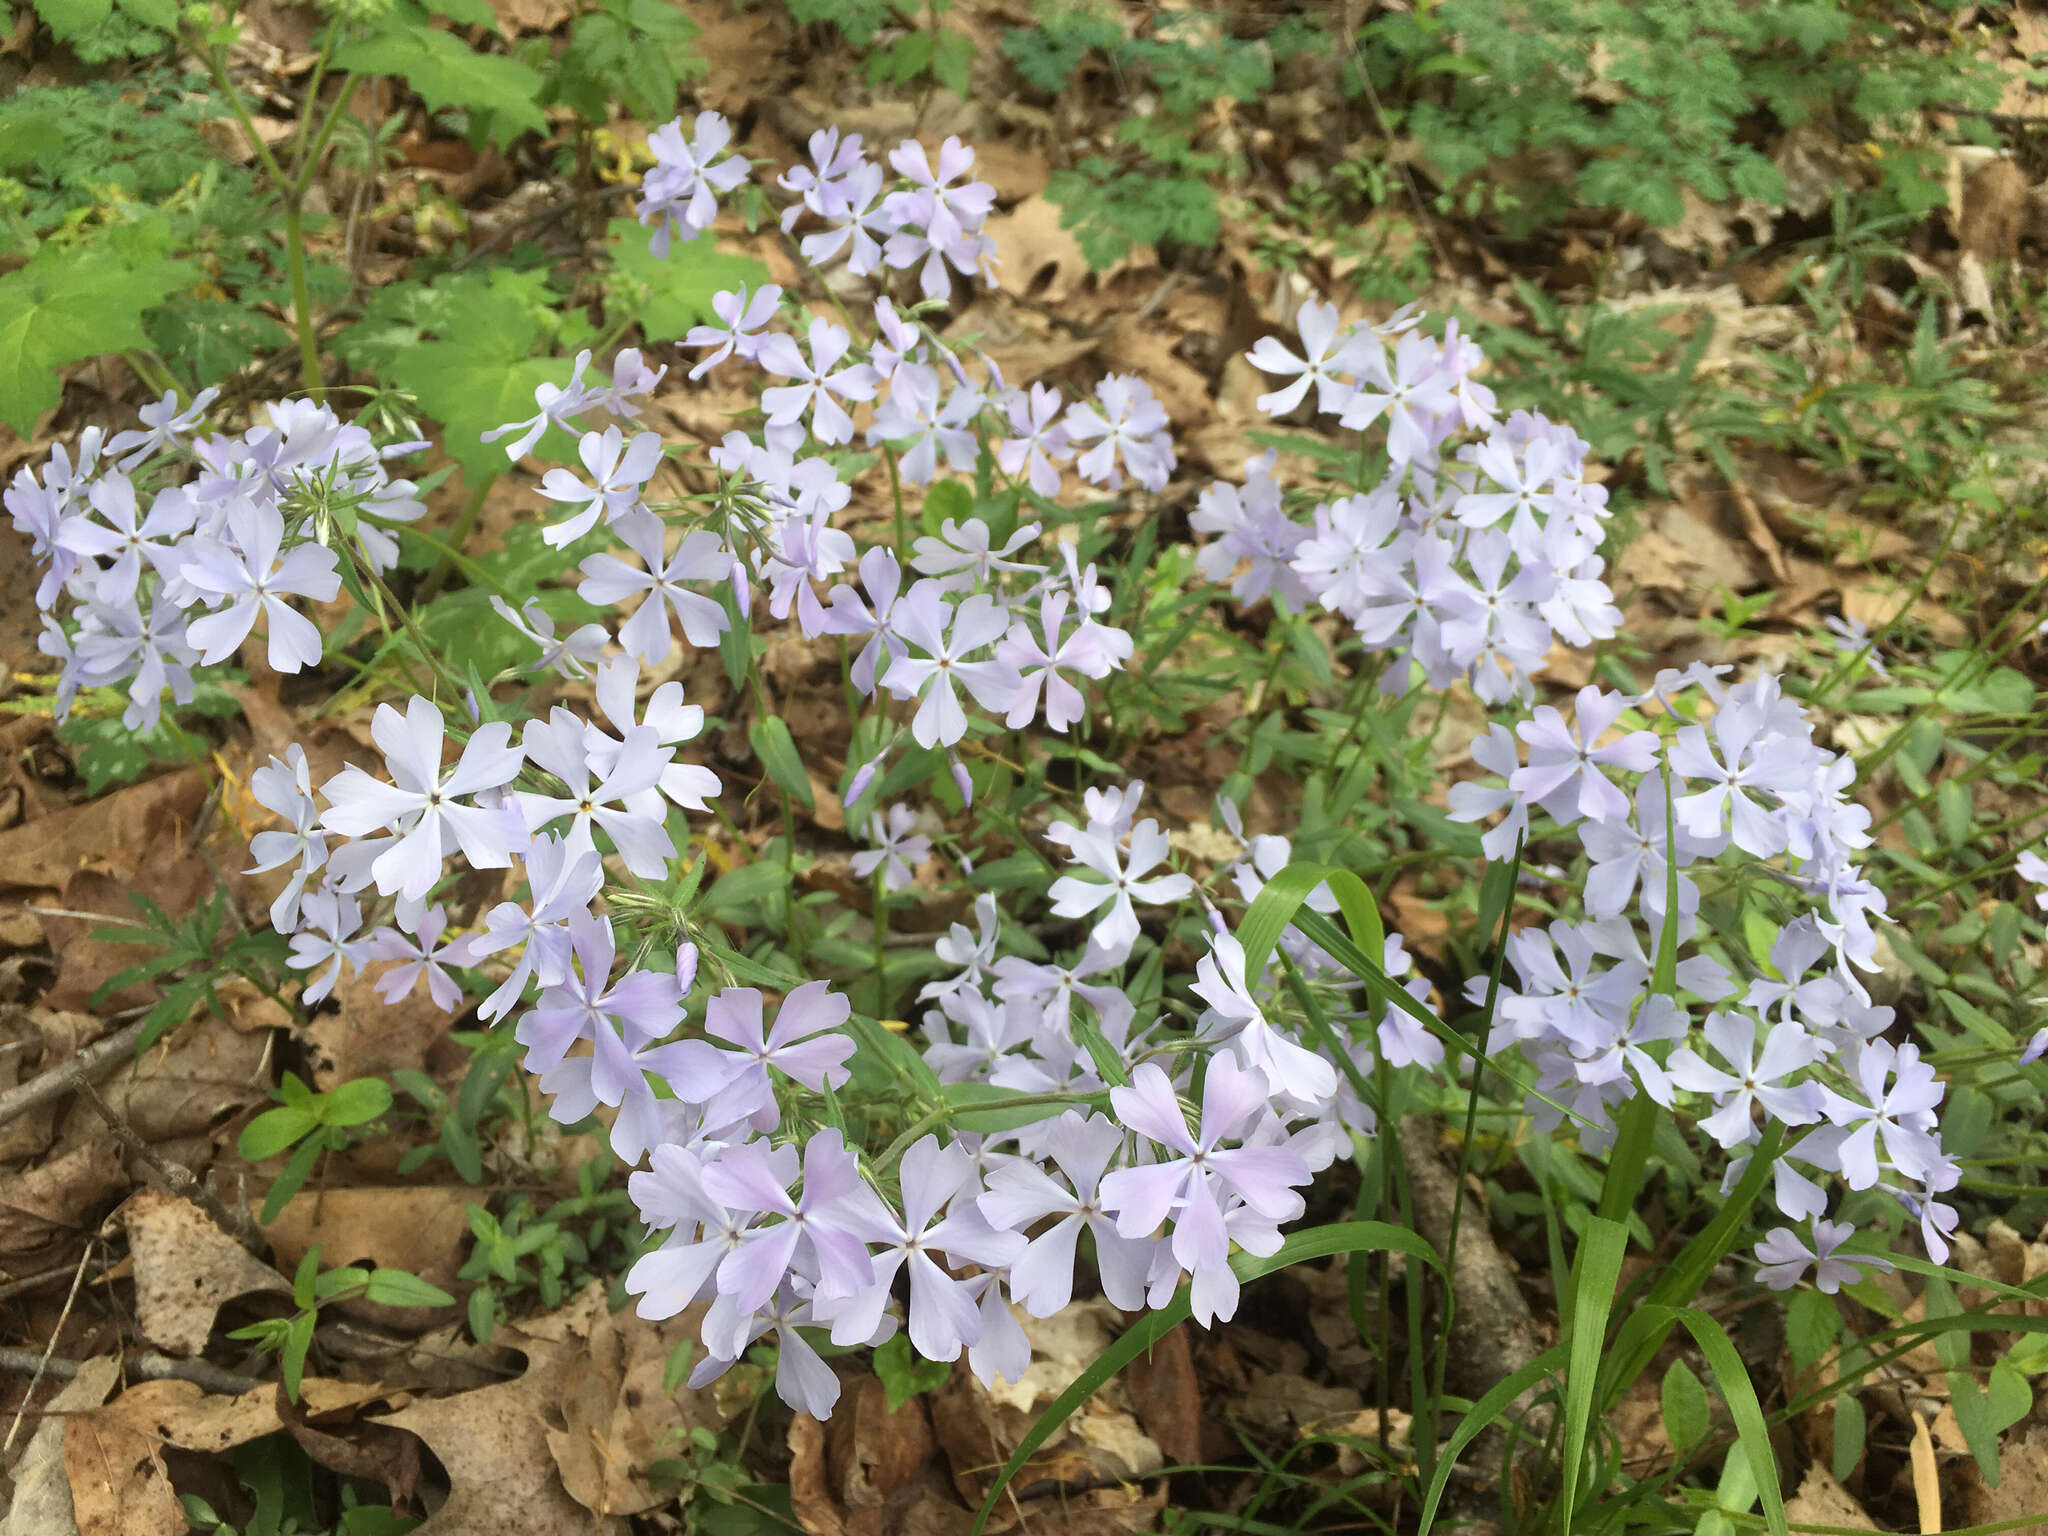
880,924
465,524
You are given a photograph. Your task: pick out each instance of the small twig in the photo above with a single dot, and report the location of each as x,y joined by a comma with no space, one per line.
181,1180
147,1364
23,1284
43,1360
90,1062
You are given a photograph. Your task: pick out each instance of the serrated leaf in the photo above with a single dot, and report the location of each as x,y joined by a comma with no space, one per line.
161,14
73,18
445,72
68,305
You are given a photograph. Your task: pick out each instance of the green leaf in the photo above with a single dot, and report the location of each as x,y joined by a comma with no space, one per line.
161,14
68,305
1595,1274
984,1109
356,1102
445,72
292,1180
679,286
73,18
291,1360
1851,1430
1811,1326
905,1375
483,1313
1688,1414
776,749
272,1131
398,1288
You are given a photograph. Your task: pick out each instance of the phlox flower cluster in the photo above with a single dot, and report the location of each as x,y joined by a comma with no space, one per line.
1476,549
163,549
1731,780
1160,1151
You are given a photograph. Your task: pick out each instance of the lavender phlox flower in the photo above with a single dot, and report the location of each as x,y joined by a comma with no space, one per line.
561,746
825,1229
1110,807
1235,1016
1463,357
1632,856
329,922
991,1032
1090,595
1566,769
1751,760
1330,356
2036,1047
1251,529
424,955
1782,1259
1579,605
1410,393
559,405
285,789
619,1020
858,222
424,803
964,557
819,184
807,549
1041,995
742,322
1523,475
1753,1077
920,412
1470,800
1092,650
1021,1193
820,383
1657,1020
1343,562
947,205
1122,880
940,1221
253,578
1190,1184
949,636
164,426
805,1042
701,556
897,848
1040,445
1126,423
1852,639
1820,1003
1900,1092
804,1382
971,952
1566,994
619,473
848,615
1497,607
633,380
572,655
897,341
669,1194
673,722
562,882
679,195
145,641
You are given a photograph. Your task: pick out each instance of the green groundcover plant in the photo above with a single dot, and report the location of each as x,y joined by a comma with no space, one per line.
1089,1112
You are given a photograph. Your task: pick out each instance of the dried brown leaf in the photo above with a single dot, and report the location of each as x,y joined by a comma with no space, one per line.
186,1269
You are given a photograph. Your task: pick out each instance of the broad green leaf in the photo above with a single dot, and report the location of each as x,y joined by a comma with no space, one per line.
679,286
272,1131
445,72
68,305
356,1102
73,18
1688,1414
987,1110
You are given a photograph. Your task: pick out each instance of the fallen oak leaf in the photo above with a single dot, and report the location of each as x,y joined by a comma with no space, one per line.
186,1269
